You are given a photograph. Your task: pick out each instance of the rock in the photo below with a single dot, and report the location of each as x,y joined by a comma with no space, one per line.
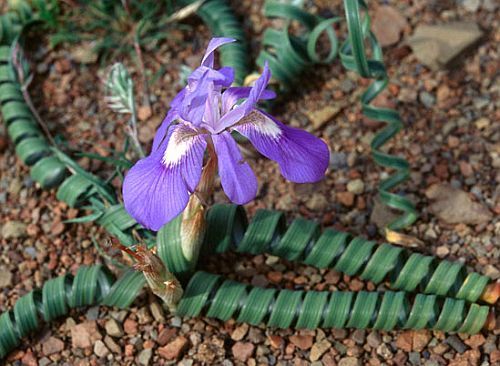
427,99
240,332
374,340
321,116
475,341
5,277
304,342
356,186
130,326
317,202
388,24
346,198
174,349
454,206
144,112
157,312
382,215
349,361
113,328
143,316
442,251
112,345
30,360
144,357
359,336
92,313
100,349
242,351
384,351
318,349
438,45
456,343
471,5
413,340
490,270
166,335
338,160
420,340
275,341
85,334
482,123
52,345
13,230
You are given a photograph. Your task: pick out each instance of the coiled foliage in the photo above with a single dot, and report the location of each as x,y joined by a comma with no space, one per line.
228,227
91,285
302,240
209,295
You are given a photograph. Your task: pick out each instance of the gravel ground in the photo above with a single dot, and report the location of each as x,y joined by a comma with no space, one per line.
451,139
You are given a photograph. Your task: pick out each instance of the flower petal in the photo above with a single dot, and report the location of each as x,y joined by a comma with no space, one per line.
173,113
301,156
256,92
231,96
237,178
157,188
208,58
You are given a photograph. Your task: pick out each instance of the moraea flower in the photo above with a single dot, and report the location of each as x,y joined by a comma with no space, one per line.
202,116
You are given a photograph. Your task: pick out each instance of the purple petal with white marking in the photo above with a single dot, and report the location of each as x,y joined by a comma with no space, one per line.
157,188
237,178
173,114
301,156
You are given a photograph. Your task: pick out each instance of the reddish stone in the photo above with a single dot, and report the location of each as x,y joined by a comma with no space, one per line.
275,340
52,345
346,198
166,335
303,342
242,351
130,326
174,349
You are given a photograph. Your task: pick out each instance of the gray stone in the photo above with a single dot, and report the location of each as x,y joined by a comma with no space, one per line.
454,206
92,313
113,328
456,343
100,349
144,357
176,322
338,160
359,336
437,46
5,277
349,361
13,230
427,99
374,340
414,358
356,186
471,5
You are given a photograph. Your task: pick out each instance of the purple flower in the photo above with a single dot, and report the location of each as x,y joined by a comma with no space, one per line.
158,187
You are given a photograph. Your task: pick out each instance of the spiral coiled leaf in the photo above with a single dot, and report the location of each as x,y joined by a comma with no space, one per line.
92,285
302,240
208,294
